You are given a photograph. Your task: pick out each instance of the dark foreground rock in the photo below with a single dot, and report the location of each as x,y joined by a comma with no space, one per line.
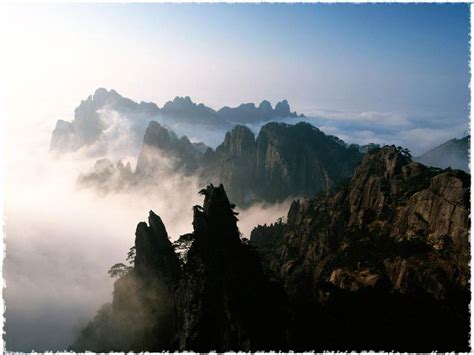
217,299
381,263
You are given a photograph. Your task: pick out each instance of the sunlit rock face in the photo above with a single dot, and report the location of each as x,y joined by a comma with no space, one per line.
391,245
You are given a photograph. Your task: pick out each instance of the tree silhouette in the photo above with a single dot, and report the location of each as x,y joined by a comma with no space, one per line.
119,270
131,256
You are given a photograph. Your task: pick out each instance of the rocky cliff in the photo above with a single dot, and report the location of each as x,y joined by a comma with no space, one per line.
142,316
283,161
382,263
160,144
88,125
217,298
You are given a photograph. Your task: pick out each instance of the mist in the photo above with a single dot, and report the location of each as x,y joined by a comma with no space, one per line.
60,240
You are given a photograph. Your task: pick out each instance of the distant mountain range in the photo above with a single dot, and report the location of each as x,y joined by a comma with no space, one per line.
282,161
87,126
452,154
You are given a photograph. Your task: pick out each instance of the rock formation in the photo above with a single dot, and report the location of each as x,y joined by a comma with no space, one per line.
160,142
225,301
218,299
249,113
284,161
382,263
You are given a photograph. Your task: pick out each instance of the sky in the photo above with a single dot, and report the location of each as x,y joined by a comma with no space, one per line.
407,64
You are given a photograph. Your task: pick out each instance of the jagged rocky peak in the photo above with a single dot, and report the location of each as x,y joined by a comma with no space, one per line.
102,96
158,136
395,238
239,140
161,143
388,160
283,108
217,205
265,106
88,124
215,221
180,102
63,137
154,250
224,299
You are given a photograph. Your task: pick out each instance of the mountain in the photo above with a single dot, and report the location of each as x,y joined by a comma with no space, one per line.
219,299
161,142
249,113
382,263
452,154
162,153
283,161
89,124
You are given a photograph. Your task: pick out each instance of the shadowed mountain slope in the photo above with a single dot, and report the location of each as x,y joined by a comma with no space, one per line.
452,154
381,263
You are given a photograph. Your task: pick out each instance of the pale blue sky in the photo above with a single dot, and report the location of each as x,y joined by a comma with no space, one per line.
405,62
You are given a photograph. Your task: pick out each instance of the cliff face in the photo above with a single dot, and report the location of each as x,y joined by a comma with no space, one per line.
381,263
87,125
300,160
161,144
225,300
283,161
142,315
385,257
216,298
233,164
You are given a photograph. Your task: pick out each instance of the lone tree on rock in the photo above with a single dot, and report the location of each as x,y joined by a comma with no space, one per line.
119,270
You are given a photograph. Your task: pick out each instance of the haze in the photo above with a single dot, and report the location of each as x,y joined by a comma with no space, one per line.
387,73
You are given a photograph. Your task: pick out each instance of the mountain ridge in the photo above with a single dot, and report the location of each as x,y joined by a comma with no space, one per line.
453,153
381,263
282,161
87,125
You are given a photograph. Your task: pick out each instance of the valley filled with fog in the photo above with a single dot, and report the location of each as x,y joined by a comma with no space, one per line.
60,240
